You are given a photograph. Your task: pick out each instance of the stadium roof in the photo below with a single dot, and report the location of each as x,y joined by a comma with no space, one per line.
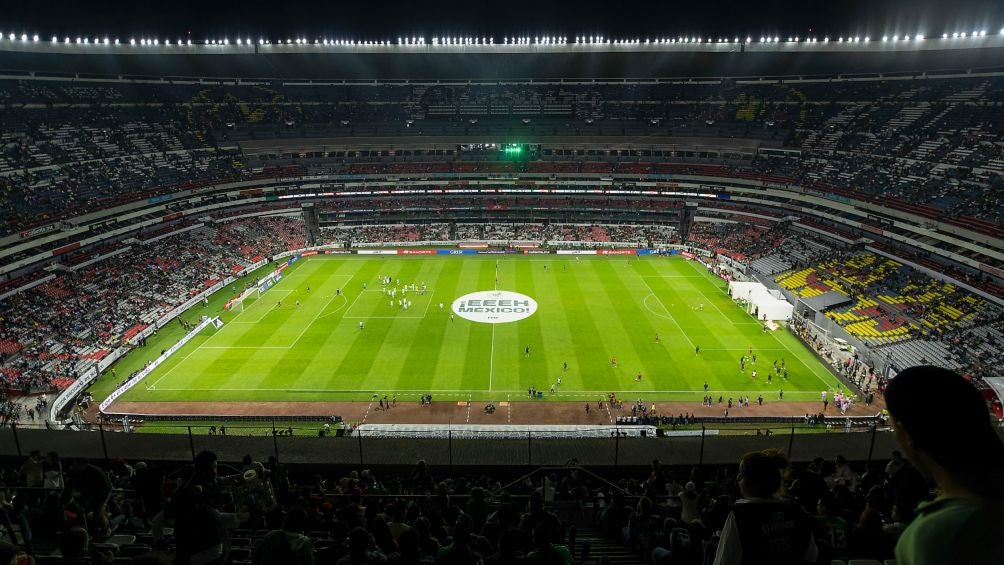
499,62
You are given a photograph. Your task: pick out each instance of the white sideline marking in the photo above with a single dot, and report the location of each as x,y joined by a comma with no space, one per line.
465,393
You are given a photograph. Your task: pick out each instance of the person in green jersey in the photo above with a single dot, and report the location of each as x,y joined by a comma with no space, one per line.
957,447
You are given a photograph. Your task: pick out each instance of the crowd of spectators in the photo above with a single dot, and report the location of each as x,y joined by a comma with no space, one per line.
936,499
57,331
742,242
64,148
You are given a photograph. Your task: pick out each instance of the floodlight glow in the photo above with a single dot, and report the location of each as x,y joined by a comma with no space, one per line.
983,33
132,42
35,38
78,40
189,42
105,42
918,37
55,39
867,38
963,35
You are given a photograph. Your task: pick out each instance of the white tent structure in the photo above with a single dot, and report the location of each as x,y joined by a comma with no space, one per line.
761,300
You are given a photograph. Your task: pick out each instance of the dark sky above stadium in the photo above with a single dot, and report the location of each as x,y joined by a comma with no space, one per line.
387,19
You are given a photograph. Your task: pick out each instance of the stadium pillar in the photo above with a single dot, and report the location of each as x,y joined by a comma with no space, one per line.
191,442
104,446
791,441
449,444
871,446
529,449
17,440
359,434
700,456
275,442
617,447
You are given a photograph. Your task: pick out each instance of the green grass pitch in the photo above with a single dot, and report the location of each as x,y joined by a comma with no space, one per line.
588,311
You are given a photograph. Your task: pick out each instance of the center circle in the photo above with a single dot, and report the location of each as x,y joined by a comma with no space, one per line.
494,306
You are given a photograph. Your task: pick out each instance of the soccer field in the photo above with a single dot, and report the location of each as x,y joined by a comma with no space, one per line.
588,311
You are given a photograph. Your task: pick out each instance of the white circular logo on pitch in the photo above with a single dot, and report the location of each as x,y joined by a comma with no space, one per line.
494,306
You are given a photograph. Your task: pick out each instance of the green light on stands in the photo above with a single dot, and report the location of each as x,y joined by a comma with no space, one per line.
512,149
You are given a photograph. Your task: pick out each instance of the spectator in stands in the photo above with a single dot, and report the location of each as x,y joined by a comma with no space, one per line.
461,551
690,503
831,529
764,527
361,549
960,451
31,469
544,552
74,546
288,545
868,540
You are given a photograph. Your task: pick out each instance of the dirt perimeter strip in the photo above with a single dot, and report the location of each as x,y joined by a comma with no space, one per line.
444,412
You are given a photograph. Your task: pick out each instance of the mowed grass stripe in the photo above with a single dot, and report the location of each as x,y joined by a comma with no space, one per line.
425,351
456,337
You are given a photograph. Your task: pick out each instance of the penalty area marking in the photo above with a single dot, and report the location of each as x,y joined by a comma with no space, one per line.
424,312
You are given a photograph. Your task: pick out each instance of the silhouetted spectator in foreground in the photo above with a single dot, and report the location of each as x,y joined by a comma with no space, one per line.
763,527
957,447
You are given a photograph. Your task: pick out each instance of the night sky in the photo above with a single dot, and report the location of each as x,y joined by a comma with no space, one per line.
386,20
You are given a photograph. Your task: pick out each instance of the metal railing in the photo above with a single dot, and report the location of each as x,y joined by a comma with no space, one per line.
310,443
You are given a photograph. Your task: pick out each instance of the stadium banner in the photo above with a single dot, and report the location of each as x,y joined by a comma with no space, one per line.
98,258
992,270
617,252
377,251
536,252
159,199
66,249
576,252
457,251
338,252
498,251
308,253
33,232
154,364
415,251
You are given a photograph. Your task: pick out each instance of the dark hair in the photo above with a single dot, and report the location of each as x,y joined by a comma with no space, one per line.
762,472
296,520
960,437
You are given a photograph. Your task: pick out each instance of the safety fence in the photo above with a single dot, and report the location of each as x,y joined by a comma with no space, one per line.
310,443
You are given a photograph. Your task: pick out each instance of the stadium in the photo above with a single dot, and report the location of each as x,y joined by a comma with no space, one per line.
533,264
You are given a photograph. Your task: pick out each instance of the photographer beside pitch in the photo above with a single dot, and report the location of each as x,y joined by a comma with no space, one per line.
961,452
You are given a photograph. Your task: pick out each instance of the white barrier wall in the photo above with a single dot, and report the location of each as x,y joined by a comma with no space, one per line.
154,364
762,300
